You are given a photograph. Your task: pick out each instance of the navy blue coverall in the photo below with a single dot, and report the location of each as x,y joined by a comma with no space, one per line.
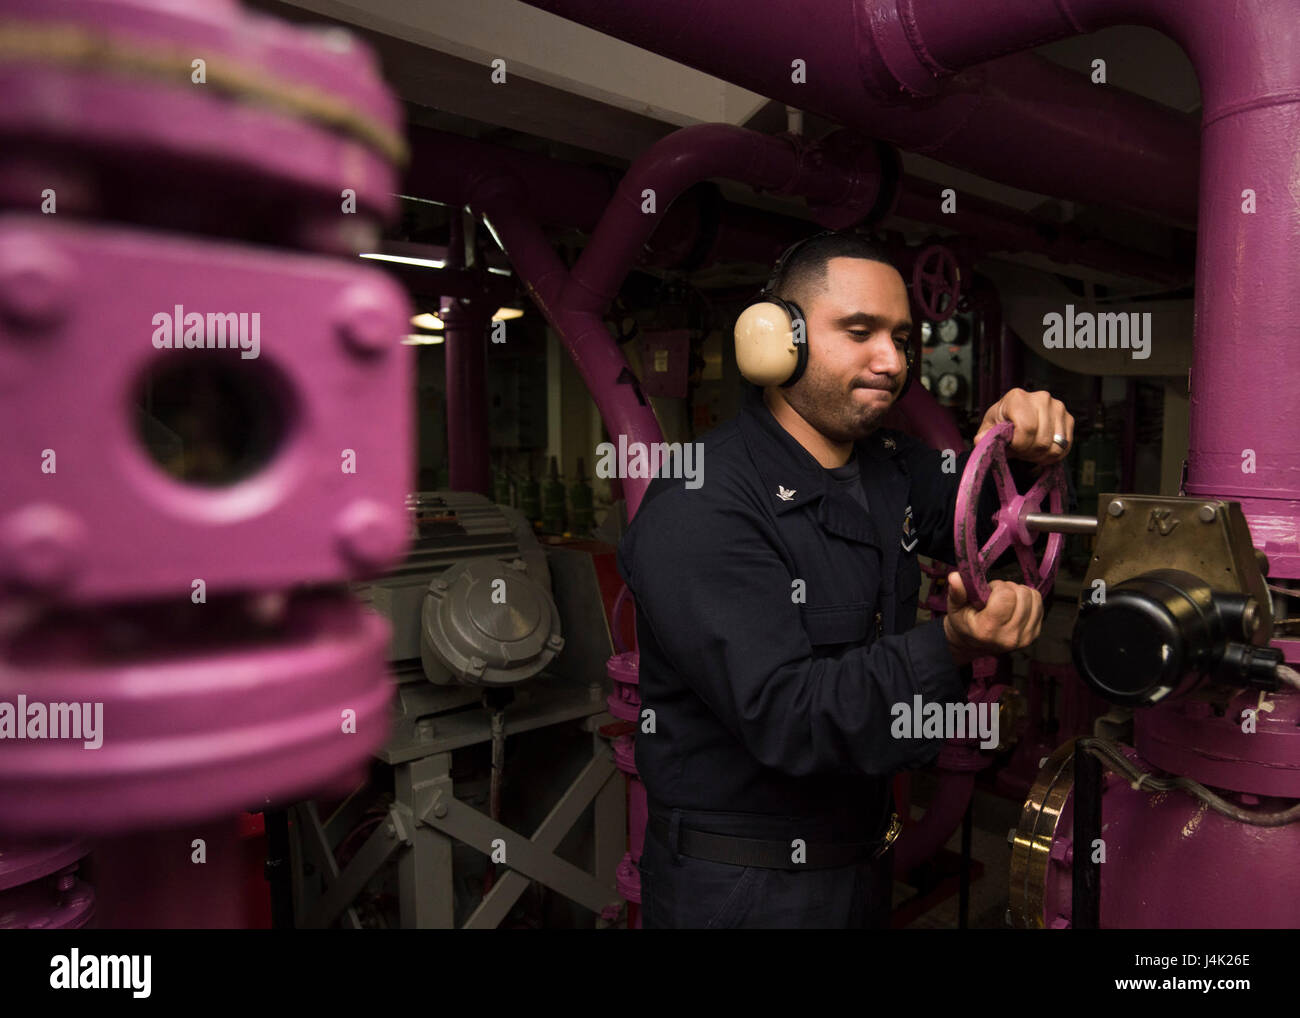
771,716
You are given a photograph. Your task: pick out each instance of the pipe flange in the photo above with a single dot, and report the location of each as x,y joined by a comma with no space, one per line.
887,36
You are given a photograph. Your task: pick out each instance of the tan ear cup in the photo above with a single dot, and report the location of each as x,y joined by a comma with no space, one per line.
765,349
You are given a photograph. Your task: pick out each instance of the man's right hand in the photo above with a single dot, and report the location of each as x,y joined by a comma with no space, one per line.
1011,619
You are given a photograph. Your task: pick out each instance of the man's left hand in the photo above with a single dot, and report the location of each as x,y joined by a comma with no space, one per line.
1038,418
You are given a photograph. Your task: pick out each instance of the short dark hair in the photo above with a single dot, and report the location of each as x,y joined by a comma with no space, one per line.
803,274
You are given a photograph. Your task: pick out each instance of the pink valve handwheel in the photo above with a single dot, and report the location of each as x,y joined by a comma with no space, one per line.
972,560
935,275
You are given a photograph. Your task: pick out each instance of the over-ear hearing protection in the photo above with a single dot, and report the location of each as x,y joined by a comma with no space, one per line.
771,334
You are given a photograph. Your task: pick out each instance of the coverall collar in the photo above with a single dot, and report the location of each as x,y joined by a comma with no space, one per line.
789,471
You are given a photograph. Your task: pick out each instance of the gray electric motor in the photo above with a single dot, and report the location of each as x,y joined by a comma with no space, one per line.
486,616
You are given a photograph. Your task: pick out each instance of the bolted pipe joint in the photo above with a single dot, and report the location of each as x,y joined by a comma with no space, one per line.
869,180
895,62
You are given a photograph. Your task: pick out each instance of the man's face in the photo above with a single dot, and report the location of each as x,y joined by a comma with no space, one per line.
858,331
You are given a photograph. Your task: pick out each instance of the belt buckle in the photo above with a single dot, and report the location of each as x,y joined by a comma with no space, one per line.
891,835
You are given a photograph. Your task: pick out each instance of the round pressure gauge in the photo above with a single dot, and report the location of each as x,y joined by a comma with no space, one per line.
949,331
948,386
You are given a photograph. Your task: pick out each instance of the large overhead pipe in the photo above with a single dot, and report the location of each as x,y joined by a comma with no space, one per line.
1245,56
698,231
1064,136
445,167
1021,119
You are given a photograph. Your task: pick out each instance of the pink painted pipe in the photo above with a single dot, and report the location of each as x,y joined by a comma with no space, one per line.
987,226
1021,119
446,166
1245,57
919,413
846,187
921,840
574,302
605,371
1123,151
465,324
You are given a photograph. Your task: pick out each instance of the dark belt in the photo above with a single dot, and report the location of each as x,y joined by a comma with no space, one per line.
772,855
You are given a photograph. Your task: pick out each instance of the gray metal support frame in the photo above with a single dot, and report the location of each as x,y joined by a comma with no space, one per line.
424,872
426,818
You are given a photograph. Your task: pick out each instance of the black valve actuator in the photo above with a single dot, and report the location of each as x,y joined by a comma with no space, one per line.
1160,634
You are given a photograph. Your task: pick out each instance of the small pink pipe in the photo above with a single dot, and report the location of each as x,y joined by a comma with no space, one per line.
150,880
987,226
685,157
919,413
922,840
464,339
465,325
603,368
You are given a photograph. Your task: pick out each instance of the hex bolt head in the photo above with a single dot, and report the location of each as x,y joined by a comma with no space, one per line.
34,282
1207,513
1116,507
364,321
370,535
440,810
41,547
